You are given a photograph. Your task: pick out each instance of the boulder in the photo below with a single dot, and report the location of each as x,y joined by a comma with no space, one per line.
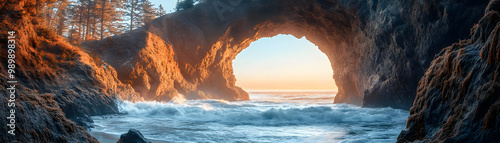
132,136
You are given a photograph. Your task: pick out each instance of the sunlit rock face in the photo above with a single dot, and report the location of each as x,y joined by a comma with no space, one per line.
378,49
458,99
58,86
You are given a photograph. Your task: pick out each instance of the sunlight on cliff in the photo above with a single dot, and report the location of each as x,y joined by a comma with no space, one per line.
283,62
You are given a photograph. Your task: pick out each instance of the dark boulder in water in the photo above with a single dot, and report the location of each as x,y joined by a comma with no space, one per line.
458,99
133,136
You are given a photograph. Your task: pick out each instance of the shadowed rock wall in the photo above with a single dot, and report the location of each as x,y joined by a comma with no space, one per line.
458,99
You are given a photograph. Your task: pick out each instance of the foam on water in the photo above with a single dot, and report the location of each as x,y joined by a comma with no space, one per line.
286,120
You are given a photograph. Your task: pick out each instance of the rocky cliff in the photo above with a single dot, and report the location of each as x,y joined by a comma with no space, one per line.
378,49
58,85
458,99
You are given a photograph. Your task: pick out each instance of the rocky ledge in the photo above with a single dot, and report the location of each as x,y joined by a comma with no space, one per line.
458,99
59,86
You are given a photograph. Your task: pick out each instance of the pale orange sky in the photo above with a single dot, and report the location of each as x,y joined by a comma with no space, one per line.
283,63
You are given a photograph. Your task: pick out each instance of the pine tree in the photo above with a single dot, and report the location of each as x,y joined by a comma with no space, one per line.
61,21
88,15
186,4
161,11
147,12
81,20
75,17
117,25
85,20
72,19
94,19
104,11
56,16
132,7
46,10
82,16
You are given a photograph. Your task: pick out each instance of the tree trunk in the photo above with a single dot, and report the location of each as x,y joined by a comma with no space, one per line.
132,15
88,22
80,24
102,16
94,21
61,4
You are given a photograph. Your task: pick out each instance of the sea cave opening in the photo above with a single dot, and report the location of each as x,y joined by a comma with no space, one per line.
284,67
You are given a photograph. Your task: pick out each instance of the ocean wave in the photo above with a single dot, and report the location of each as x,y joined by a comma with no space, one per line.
253,113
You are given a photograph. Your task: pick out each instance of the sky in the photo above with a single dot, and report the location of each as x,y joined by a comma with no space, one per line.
282,62
168,5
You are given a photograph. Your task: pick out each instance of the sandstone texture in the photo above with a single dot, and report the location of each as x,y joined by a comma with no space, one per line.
59,86
458,99
378,49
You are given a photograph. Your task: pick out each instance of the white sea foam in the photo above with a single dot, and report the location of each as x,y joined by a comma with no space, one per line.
255,121
215,111
180,99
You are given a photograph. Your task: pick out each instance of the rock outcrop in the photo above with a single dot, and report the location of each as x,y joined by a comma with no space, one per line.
38,118
458,99
378,49
132,136
59,86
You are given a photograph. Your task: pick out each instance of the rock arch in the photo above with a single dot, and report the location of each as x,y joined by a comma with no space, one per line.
378,50
332,32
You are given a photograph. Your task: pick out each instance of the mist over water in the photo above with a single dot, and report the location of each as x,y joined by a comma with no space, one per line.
268,117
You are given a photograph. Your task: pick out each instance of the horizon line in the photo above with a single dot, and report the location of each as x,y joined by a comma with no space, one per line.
279,90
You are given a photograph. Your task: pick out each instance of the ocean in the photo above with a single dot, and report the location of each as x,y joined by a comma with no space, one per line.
269,116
